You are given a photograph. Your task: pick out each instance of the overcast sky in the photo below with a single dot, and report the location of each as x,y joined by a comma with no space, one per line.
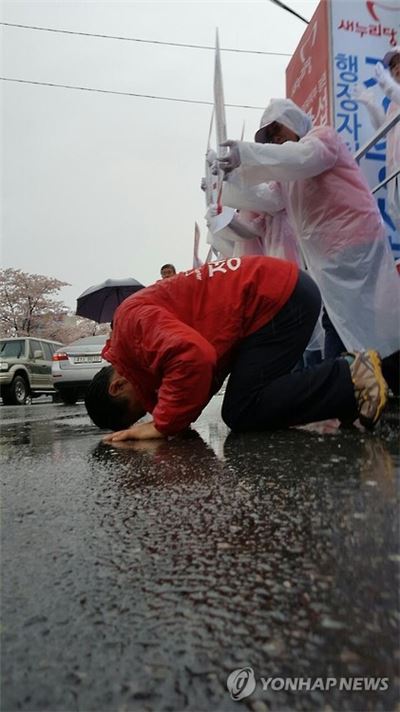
98,185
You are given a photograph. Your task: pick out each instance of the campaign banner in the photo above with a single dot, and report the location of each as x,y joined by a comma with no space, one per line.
308,74
339,50
362,32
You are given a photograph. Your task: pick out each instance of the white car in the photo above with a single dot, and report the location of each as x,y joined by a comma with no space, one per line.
75,365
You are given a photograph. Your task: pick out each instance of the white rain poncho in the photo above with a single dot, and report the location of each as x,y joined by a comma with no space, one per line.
276,235
251,233
337,222
231,236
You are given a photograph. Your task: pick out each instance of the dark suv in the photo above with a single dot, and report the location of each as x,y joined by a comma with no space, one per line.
25,368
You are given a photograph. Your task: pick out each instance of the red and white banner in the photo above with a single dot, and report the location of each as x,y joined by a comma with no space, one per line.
308,72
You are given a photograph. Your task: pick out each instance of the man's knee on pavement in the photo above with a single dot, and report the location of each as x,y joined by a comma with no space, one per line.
231,413
239,418
240,422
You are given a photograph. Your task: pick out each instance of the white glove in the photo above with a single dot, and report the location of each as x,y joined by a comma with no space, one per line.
363,95
203,184
211,156
232,160
368,98
381,74
212,212
386,82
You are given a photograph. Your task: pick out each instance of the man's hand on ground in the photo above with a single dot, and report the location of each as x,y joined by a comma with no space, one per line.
142,431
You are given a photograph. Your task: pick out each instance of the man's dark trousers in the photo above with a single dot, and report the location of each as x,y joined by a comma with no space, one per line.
263,391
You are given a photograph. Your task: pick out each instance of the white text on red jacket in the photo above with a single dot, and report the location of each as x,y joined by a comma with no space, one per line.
224,266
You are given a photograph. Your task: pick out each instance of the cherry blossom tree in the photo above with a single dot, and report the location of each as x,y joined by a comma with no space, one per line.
28,306
27,302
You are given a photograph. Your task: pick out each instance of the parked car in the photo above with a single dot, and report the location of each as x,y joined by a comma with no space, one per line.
25,368
75,365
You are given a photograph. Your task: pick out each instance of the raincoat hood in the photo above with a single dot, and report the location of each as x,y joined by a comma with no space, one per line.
287,113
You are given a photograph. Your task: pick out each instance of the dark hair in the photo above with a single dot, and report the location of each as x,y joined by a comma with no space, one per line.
107,412
167,265
394,60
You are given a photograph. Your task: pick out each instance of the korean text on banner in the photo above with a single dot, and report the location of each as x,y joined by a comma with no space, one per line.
362,32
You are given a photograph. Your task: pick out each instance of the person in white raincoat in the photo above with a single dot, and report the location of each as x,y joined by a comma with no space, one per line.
230,235
334,216
388,78
276,234
250,231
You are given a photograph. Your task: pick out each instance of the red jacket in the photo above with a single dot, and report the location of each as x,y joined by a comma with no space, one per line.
173,341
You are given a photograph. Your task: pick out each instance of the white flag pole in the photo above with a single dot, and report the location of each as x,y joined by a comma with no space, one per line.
210,179
220,119
196,259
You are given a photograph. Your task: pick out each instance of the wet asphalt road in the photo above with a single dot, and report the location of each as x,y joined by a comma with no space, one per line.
138,578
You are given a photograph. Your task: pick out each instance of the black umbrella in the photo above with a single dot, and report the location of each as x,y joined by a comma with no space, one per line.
100,302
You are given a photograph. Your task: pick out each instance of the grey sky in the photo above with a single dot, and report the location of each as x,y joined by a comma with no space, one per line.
98,186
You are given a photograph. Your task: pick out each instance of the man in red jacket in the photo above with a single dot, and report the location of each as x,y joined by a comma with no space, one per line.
173,344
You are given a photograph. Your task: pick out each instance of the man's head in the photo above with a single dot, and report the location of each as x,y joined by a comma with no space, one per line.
282,121
167,270
276,133
391,60
111,401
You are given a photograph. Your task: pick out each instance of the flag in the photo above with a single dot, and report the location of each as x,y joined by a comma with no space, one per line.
196,259
220,119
